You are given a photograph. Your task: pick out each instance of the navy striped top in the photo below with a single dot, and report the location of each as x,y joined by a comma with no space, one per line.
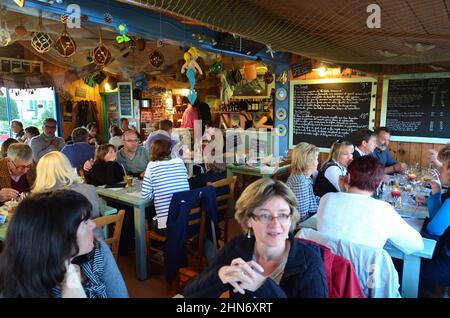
162,179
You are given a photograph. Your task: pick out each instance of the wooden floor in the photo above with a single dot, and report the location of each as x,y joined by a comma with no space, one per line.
156,286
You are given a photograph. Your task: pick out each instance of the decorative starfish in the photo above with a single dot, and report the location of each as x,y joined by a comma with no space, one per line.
270,50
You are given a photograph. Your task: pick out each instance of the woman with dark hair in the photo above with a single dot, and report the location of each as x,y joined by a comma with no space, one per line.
5,145
94,137
30,132
106,169
51,251
358,218
245,119
163,177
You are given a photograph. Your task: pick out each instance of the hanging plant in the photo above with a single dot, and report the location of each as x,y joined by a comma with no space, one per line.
65,45
156,58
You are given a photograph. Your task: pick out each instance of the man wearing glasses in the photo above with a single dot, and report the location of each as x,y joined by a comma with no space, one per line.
17,172
47,141
133,157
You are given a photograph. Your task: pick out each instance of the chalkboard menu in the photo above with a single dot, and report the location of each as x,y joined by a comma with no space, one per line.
417,108
322,111
125,99
301,68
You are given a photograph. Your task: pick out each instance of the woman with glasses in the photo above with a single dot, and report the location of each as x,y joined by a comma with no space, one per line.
51,252
17,172
334,168
305,158
266,261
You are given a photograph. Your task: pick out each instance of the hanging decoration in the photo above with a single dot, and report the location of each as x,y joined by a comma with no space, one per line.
65,44
123,29
268,77
5,36
64,18
21,30
191,67
101,55
283,78
89,80
140,82
140,44
216,68
156,58
270,51
107,17
41,41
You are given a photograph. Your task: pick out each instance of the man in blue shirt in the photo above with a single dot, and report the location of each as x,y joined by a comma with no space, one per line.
382,152
80,151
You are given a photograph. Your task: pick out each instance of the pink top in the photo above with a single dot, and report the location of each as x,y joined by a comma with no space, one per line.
189,116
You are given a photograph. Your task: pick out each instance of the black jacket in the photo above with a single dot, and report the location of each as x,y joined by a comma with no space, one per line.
106,172
303,277
322,185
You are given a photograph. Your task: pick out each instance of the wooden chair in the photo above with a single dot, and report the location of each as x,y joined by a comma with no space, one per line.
195,243
225,202
117,220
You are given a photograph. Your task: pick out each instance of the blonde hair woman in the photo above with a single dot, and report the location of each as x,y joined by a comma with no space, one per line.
305,158
265,261
54,172
329,177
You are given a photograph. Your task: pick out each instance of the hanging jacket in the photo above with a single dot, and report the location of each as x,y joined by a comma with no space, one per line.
178,230
341,276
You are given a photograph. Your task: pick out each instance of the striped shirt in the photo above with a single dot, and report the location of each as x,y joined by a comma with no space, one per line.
162,179
307,202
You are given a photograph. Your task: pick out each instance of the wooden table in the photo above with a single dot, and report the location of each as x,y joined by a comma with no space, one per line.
411,262
132,197
265,172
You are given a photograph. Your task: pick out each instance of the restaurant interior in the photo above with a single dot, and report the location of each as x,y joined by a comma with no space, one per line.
319,71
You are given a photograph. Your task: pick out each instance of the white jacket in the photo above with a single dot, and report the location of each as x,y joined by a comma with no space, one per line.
373,266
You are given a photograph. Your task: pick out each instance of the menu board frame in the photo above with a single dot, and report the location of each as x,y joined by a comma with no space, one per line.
370,80
122,114
385,100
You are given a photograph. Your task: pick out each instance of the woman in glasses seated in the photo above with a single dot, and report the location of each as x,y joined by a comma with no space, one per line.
267,261
334,168
358,218
305,158
51,251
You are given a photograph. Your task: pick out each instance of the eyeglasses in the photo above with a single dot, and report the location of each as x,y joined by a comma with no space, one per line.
131,140
339,141
50,127
21,167
265,218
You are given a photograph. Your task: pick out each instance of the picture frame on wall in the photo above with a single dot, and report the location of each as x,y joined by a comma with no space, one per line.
125,100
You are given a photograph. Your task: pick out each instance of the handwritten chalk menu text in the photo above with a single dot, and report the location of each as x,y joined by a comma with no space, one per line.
325,112
419,107
125,99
